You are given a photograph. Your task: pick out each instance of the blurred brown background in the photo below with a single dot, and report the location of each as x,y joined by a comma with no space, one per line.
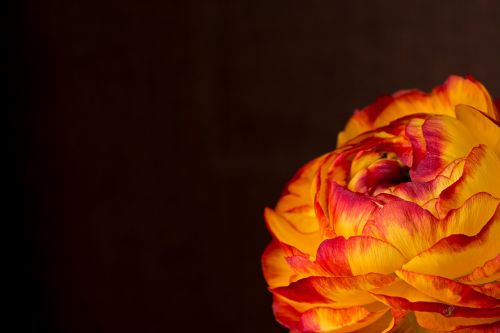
146,137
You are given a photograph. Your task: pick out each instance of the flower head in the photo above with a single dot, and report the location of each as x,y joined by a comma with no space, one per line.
399,227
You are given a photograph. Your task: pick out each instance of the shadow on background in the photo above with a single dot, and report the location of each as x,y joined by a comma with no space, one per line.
146,137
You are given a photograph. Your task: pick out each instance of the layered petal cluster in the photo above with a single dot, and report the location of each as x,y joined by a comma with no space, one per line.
398,229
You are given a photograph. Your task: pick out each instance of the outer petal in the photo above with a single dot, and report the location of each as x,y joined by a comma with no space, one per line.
346,220
484,129
479,173
468,251
404,297
434,321
447,290
412,229
338,320
358,255
335,291
442,100
447,140
276,270
284,231
489,272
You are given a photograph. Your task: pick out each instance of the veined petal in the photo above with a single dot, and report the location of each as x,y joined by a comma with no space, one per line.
447,139
276,270
478,176
447,290
358,255
484,129
437,322
346,220
401,296
330,320
362,120
468,251
336,292
284,231
412,229
405,225
488,272
299,192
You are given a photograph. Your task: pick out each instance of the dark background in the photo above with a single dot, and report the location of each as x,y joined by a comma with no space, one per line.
146,137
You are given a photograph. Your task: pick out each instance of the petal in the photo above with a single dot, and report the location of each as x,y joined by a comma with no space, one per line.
405,225
358,255
286,314
442,100
362,120
299,191
338,320
412,229
484,129
437,322
346,220
479,175
284,231
458,255
447,139
404,297
276,270
488,272
335,291
447,290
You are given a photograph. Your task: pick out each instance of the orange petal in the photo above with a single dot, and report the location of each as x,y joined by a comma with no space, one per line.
478,176
346,220
437,322
447,139
484,129
284,231
338,320
358,255
489,272
299,191
442,100
405,225
404,297
276,270
335,291
458,255
447,290
412,229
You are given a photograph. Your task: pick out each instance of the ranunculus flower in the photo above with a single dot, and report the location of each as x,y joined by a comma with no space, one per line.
398,229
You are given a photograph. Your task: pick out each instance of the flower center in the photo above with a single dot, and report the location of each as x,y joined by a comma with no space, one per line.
376,172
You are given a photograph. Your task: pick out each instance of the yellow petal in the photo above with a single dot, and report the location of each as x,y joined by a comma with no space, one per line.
483,128
285,232
458,255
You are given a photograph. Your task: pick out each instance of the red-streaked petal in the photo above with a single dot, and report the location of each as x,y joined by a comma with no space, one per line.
437,322
276,270
324,319
484,129
447,290
412,229
358,255
284,231
489,272
346,220
404,297
458,255
362,120
478,176
286,314
405,225
335,291
447,139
